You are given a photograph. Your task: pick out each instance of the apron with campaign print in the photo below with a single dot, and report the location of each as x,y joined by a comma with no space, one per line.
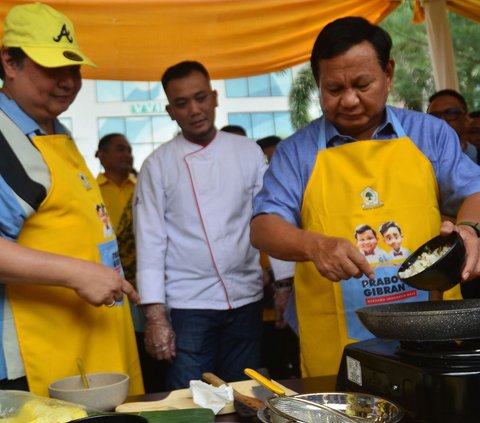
54,325
381,195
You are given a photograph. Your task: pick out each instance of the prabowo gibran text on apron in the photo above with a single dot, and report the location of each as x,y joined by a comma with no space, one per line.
54,325
382,195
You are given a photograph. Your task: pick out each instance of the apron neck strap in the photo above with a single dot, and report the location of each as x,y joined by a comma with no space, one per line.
397,127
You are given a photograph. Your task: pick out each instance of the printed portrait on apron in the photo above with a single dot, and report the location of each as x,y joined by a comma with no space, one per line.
105,218
355,193
103,337
385,251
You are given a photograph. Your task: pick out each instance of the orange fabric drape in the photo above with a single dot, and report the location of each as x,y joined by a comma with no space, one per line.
138,39
418,12
467,8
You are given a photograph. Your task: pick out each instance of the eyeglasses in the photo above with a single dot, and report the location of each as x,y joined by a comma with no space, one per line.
448,115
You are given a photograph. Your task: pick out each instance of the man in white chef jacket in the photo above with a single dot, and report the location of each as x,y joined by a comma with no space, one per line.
198,276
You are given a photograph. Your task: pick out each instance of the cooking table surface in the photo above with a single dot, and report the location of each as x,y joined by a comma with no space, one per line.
302,386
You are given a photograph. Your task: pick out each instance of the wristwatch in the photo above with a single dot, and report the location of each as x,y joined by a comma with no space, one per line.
283,283
474,225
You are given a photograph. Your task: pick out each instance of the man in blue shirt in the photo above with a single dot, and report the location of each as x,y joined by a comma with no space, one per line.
323,182
451,106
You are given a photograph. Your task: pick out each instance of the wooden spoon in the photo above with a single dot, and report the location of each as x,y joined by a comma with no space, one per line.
81,370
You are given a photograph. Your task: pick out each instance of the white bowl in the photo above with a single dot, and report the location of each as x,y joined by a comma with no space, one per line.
107,390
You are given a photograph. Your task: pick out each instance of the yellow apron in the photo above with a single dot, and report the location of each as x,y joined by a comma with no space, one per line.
362,183
53,324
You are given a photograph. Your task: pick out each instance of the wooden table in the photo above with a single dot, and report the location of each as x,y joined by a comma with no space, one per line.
302,386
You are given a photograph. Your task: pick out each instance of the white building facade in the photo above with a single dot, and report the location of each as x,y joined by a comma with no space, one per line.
137,109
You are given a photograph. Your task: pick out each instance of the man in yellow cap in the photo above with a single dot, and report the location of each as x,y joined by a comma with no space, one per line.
49,201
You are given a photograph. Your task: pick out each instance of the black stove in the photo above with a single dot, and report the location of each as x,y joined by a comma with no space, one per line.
434,382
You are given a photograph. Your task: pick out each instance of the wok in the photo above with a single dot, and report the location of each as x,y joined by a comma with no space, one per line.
424,321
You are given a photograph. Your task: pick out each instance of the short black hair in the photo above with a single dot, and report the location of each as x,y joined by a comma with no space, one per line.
450,93
181,70
270,141
340,35
234,129
387,225
105,141
18,56
364,228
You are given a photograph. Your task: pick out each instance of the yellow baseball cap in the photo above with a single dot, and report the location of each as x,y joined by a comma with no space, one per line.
45,35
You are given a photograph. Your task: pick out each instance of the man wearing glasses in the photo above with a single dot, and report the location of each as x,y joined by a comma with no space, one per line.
450,106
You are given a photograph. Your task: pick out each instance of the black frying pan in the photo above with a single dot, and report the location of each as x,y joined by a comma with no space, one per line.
424,321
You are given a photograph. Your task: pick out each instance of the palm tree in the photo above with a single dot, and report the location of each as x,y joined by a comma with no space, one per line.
302,94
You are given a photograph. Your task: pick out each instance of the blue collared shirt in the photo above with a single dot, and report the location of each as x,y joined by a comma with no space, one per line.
384,131
13,210
26,124
292,164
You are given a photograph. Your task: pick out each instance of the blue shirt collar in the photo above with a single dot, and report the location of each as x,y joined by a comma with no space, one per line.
26,124
384,131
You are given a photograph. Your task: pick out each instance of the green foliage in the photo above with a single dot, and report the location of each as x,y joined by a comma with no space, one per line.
197,415
413,80
303,90
466,41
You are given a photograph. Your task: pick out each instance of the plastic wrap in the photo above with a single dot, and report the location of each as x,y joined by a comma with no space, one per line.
25,407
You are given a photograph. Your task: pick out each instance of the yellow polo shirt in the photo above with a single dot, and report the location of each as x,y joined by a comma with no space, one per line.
115,197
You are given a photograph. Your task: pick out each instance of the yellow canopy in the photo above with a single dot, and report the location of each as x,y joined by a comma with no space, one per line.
137,39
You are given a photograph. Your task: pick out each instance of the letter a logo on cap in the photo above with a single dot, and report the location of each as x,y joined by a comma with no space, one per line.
45,35
63,33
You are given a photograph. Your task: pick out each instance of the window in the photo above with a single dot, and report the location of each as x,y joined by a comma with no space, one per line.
67,122
259,86
272,85
259,125
146,125
139,130
118,91
135,91
109,91
281,83
283,125
237,87
164,128
262,123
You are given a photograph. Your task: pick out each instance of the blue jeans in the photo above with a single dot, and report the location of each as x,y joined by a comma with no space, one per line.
223,342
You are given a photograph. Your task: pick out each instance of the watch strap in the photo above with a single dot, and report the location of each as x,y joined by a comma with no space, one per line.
283,283
474,225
